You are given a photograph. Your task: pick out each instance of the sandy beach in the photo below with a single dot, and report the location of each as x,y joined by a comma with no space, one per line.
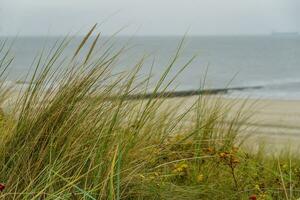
276,123
273,123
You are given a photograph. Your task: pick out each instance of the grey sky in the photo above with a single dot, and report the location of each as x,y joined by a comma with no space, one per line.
149,17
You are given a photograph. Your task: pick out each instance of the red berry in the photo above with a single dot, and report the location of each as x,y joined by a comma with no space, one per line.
253,197
2,187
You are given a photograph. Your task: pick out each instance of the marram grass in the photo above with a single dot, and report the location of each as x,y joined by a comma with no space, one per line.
73,133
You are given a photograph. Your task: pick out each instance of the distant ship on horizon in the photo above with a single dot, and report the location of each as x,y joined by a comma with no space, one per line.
275,33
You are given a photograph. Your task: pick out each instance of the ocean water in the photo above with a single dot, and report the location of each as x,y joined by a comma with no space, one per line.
272,62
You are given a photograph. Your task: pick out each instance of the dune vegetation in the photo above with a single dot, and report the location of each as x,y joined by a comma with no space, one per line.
73,132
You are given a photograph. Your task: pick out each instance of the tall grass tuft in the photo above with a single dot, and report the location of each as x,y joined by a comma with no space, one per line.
74,133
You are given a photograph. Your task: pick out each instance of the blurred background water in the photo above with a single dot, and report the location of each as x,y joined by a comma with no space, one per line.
272,62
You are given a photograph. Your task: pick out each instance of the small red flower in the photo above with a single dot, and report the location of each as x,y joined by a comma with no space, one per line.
253,197
2,187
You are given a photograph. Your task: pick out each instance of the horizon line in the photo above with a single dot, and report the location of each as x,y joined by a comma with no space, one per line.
139,35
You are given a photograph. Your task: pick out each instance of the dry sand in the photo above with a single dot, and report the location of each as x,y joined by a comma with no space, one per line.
274,123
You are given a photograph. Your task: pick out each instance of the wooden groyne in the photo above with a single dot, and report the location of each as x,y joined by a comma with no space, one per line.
186,93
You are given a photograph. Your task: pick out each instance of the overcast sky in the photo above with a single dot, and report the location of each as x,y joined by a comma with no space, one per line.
149,17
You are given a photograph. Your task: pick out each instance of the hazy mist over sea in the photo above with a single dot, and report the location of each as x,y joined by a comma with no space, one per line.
241,50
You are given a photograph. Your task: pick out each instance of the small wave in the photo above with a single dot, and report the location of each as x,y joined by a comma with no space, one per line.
278,95
277,82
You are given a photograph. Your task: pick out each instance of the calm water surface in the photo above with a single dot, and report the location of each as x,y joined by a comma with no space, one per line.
232,61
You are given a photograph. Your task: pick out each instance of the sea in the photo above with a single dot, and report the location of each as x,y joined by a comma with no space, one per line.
268,67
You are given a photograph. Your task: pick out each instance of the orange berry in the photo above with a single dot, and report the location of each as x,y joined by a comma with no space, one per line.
235,161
